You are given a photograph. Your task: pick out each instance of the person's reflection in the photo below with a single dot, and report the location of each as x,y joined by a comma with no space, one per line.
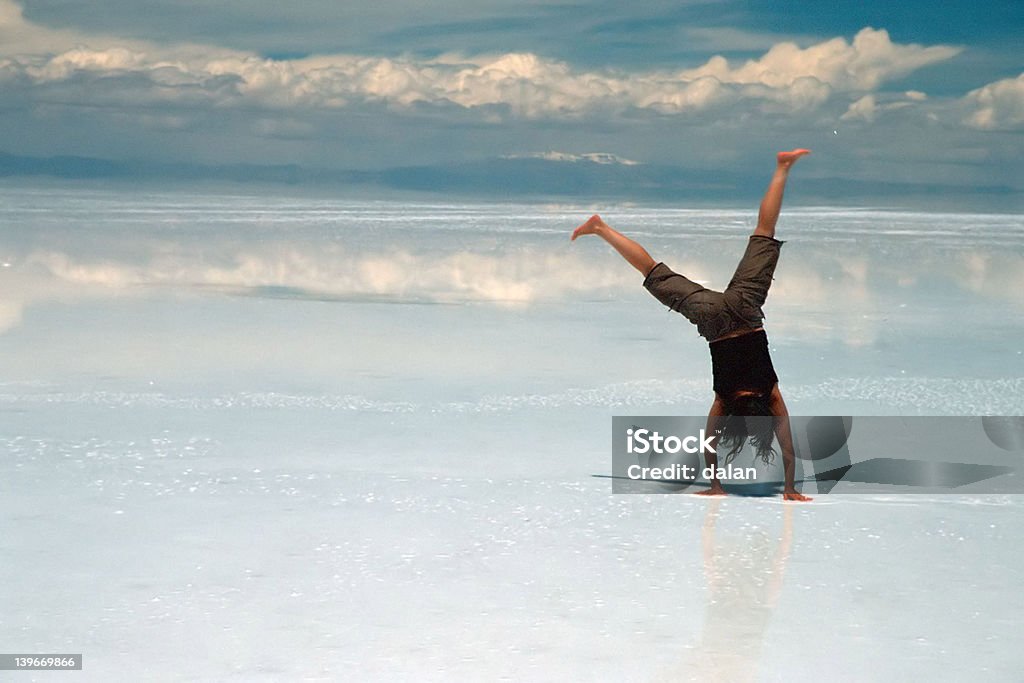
744,582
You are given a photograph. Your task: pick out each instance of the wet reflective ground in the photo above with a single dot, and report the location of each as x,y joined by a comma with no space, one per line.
262,437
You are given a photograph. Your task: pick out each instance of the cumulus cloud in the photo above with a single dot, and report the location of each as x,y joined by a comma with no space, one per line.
787,78
864,109
869,107
864,64
998,105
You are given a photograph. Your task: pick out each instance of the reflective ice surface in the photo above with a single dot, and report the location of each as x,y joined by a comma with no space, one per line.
263,437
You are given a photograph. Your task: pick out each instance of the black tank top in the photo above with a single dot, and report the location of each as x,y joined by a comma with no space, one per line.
742,362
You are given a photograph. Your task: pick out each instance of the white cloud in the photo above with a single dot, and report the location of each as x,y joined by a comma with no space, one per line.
998,105
868,107
603,158
787,78
864,109
870,60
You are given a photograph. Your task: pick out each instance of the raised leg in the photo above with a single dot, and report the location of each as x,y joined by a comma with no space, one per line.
630,250
768,216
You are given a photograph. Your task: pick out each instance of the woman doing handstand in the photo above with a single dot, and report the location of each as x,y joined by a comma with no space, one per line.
745,382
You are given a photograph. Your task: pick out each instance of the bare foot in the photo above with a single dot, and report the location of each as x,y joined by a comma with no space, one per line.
588,228
713,491
787,159
793,495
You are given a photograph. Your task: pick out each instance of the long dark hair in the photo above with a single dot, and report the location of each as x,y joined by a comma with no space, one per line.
736,429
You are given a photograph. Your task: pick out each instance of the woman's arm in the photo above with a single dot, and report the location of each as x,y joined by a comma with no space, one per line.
785,436
710,459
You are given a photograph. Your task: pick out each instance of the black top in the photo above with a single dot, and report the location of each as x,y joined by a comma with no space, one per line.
742,362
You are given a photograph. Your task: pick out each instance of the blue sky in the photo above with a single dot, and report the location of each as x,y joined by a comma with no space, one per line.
907,93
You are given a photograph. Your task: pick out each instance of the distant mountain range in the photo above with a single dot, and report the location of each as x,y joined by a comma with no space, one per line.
542,175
